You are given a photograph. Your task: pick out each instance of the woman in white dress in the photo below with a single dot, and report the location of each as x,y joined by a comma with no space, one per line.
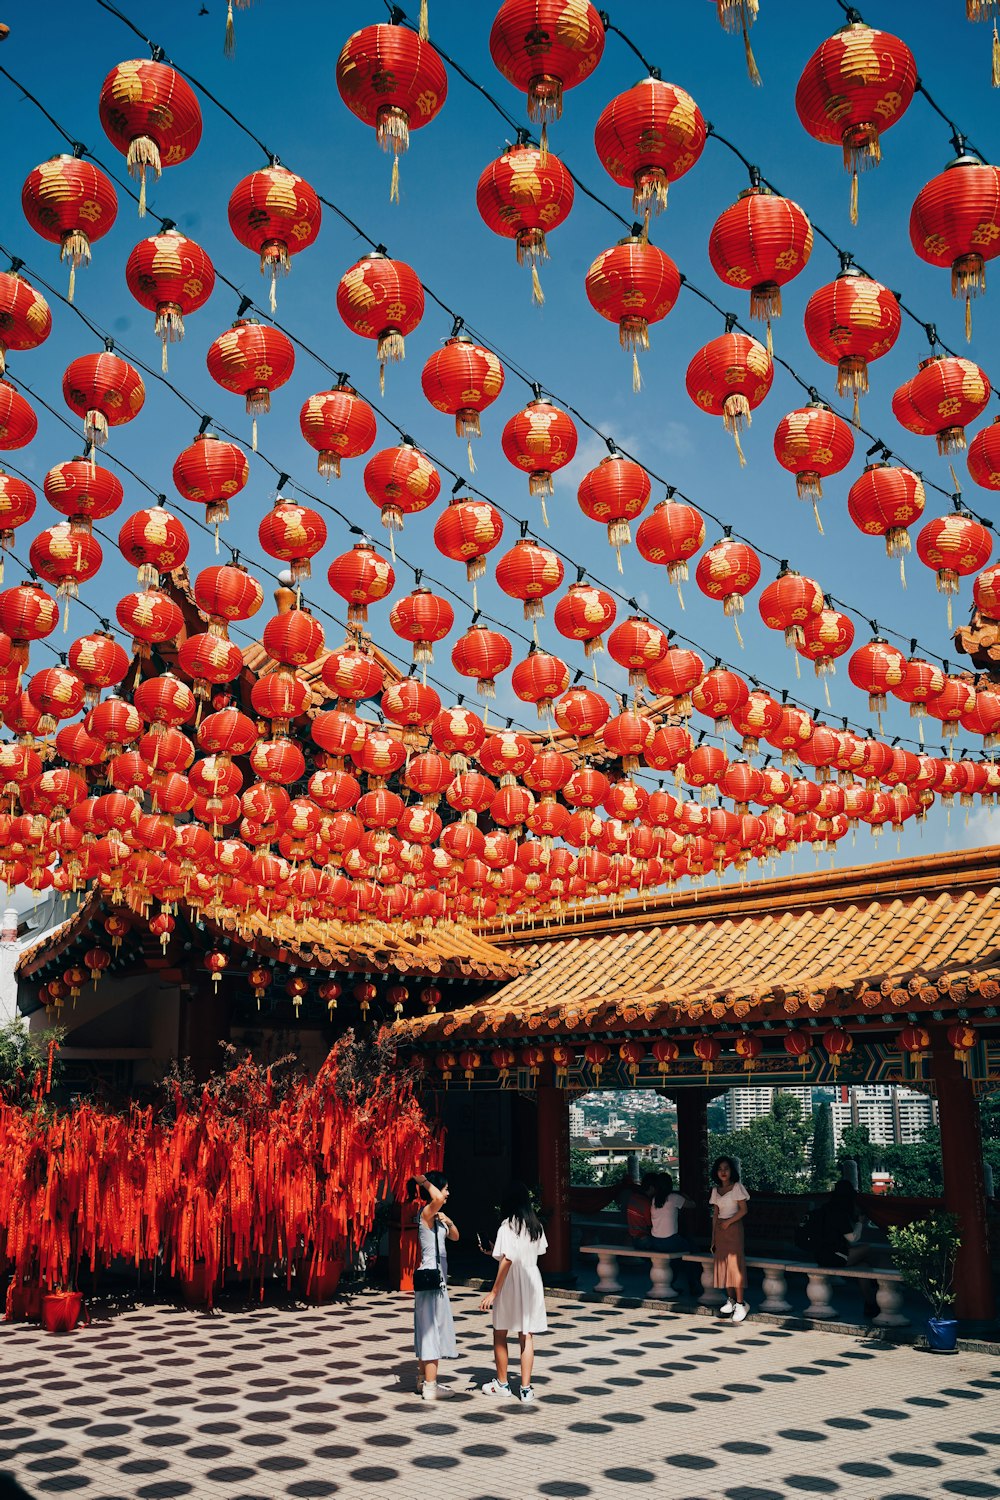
517,1300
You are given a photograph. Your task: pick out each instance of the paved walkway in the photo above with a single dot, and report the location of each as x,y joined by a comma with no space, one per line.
300,1402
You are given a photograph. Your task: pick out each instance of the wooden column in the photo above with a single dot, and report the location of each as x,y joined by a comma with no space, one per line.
964,1184
553,1176
204,1022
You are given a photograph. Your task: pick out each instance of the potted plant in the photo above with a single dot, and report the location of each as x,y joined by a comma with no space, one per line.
924,1253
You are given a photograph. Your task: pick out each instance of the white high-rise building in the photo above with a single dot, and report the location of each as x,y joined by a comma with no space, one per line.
744,1105
576,1120
894,1116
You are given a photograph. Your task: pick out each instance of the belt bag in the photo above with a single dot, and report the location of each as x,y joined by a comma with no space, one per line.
430,1278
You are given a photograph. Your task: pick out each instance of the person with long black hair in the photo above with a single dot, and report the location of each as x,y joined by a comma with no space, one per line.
517,1300
729,1199
433,1325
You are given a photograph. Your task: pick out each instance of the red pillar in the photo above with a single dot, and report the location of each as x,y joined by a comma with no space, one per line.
964,1185
553,1176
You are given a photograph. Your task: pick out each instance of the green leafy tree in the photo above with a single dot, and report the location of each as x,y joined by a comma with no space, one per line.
771,1150
24,1061
582,1172
915,1168
924,1253
821,1155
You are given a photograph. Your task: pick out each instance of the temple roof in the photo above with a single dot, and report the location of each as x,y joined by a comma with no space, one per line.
910,935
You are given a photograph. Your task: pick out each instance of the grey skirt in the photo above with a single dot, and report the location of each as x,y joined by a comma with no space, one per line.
433,1327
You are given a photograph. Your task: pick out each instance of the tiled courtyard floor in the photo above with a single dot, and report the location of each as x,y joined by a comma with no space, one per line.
275,1403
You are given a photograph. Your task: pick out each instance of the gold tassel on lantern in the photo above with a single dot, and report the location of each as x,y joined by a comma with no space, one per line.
423,30
143,152
968,279
229,49
736,415
862,150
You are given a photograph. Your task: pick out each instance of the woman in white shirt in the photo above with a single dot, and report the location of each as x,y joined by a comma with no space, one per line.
517,1300
664,1208
729,1199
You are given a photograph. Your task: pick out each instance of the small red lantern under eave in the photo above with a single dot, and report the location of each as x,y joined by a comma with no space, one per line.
707,1050
915,1041
97,960
665,1052
632,1054
962,1038
172,276
523,195
838,1045
469,1061
531,1058
798,1045
330,992
216,963
596,1055
504,1059
277,214
633,284
259,980
749,1048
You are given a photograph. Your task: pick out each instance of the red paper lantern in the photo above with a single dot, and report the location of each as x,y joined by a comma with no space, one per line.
582,713
172,276
759,244
637,645
67,556
99,662
422,618
626,736
749,1048
25,319
648,137
539,679
392,79
884,502
105,391
544,47
826,636
665,1052
583,614
361,577
293,534
462,379
850,322
153,541
465,531
17,506
755,719
523,195
798,1045
529,572
962,1038
70,202
410,704
854,87
706,1049
401,481
167,700
150,618
18,423
251,360
633,284
276,214
381,299
728,571
838,1045
983,457
788,602
729,377
57,693
955,223
210,472
954,547
877,669
338,424
615,493
986,592
942,399
482,653
670,535
719,695
539,440
151,115
812,443
83,491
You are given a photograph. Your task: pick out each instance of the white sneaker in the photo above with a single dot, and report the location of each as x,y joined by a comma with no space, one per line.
527,1393
726,1308
429,1391
740,1311
494,1388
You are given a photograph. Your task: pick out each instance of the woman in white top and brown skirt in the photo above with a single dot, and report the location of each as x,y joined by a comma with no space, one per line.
729,1199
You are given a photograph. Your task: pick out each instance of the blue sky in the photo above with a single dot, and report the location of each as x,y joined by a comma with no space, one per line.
281,83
